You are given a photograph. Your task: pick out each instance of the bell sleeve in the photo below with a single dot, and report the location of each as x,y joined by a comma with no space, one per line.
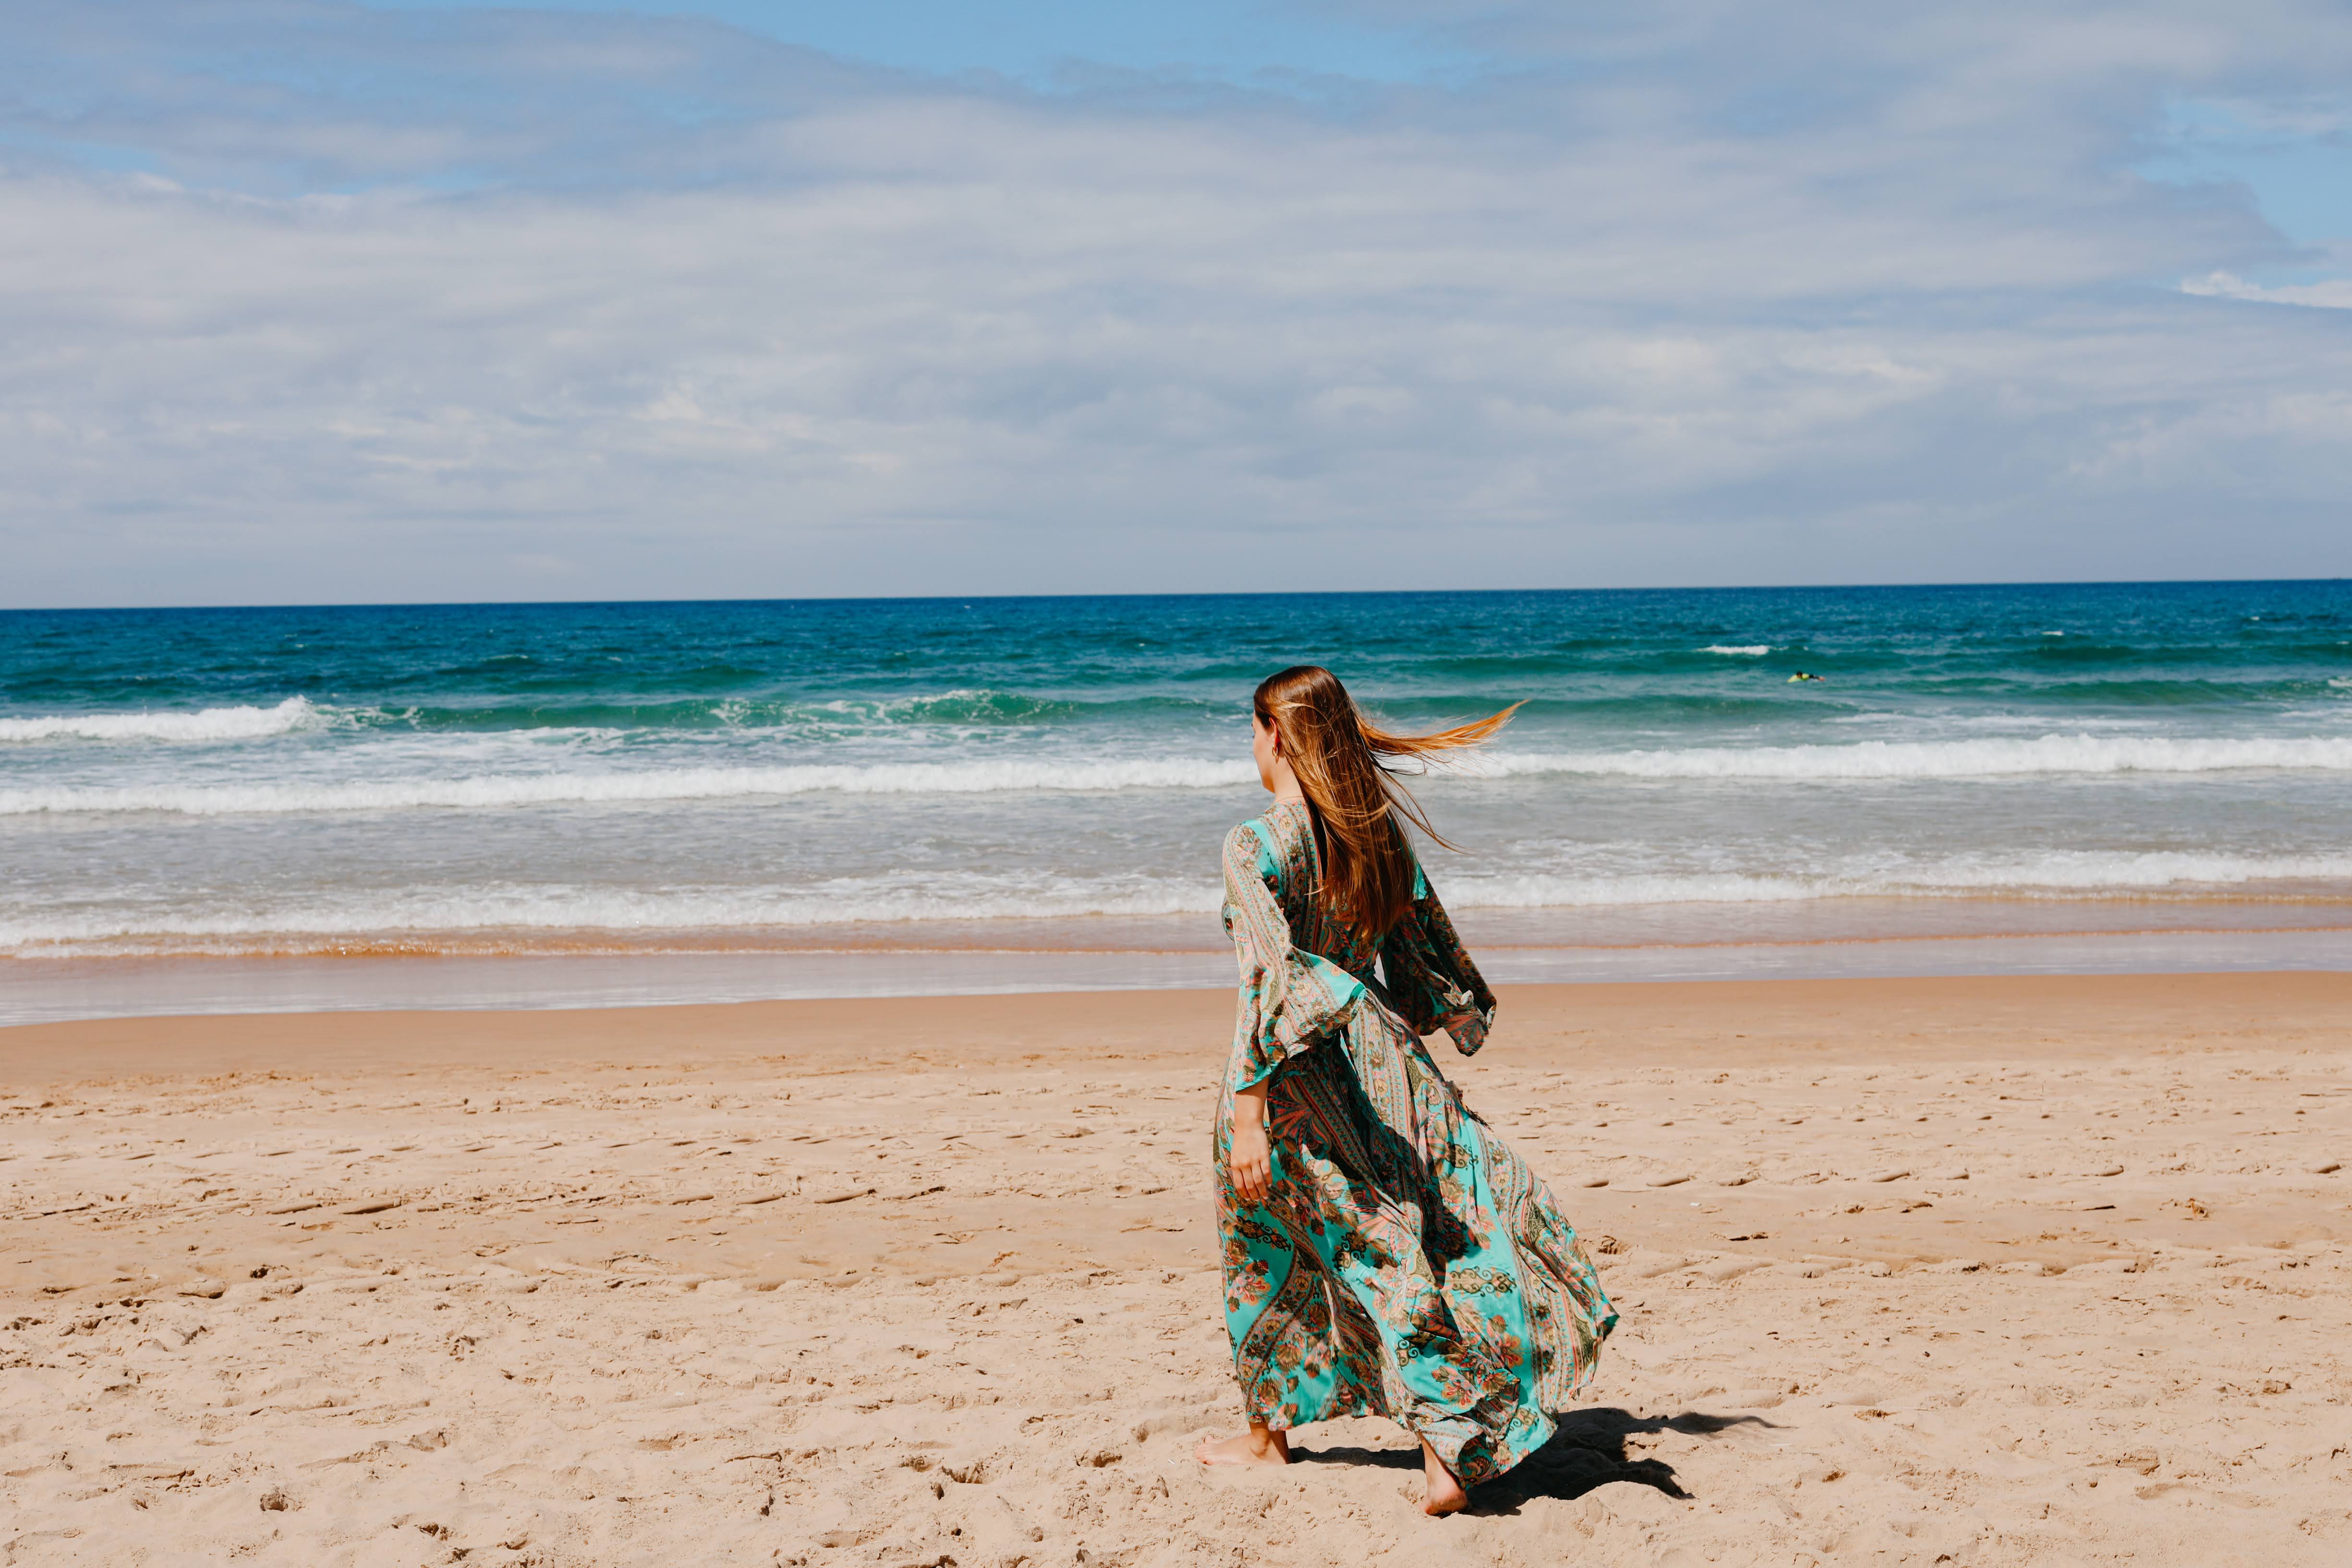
1428,973
1290,1000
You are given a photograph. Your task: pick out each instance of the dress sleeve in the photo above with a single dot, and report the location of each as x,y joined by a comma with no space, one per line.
1289,999
1429,975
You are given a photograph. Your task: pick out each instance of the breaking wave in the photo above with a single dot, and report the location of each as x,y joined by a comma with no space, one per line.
241,723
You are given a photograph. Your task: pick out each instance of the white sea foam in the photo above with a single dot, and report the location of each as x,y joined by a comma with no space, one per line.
468,911
1984,758
1971,759
2089,873
650,784
1749,651
243,723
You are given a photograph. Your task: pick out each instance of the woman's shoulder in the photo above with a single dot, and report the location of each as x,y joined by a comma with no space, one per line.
1248,840
1265,837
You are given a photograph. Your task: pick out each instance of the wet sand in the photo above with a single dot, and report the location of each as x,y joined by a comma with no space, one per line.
2034,1270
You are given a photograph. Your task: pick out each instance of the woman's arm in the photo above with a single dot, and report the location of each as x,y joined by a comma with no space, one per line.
1261,940
1288,1000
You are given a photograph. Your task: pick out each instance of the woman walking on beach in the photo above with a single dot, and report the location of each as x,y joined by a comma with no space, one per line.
1384,1252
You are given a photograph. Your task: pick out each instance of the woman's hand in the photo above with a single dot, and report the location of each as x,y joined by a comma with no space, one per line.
1249,1160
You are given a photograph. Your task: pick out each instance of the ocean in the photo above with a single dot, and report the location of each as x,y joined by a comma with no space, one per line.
430,804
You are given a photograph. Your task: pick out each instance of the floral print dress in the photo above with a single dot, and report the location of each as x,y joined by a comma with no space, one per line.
1406,1263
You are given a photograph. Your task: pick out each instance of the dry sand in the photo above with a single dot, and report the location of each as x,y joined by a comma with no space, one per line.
1992,1271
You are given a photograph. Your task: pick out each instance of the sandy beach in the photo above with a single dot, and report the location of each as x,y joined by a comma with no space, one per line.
2013,1270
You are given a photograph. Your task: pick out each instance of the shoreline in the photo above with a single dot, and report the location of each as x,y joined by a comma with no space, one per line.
1822,918
45,990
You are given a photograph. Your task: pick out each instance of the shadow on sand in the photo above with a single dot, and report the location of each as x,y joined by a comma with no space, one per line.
1589,1450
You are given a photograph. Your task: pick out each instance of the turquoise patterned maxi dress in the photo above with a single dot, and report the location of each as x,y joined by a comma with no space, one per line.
1406,1262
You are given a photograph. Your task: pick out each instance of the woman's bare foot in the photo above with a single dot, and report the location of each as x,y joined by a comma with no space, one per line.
1445,1494
1258,1446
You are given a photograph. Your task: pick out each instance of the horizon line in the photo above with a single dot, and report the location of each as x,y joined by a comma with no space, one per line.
1211,594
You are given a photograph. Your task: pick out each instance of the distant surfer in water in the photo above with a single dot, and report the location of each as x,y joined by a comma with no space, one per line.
1803,675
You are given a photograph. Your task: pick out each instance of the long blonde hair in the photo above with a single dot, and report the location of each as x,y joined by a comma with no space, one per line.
1353,799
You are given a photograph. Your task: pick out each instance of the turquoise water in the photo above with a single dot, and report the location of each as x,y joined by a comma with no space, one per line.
1058,772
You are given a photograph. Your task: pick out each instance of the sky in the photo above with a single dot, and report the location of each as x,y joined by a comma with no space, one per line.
424,300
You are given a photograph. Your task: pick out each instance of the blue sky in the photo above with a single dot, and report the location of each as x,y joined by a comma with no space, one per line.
1226,39
2296,167
416,299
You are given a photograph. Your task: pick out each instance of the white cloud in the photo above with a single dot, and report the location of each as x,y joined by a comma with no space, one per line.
592,305
2333,293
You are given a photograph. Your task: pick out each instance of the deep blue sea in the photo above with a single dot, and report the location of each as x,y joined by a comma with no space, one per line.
1006,774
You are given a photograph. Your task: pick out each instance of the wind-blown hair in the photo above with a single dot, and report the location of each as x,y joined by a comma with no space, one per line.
1365,870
